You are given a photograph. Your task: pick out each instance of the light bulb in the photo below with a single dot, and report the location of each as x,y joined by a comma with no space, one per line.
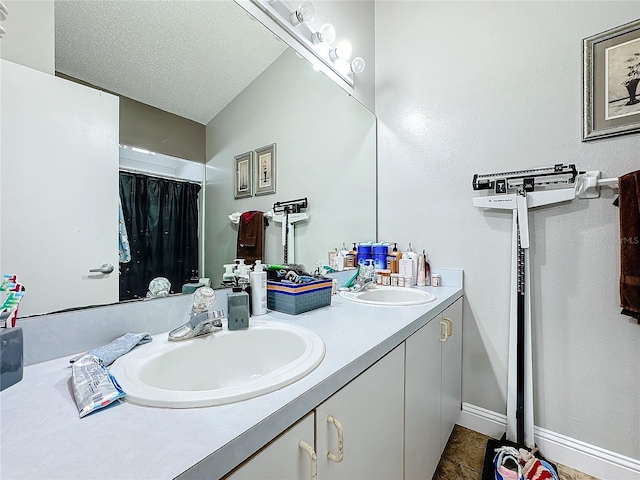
358,65
305,13
342,51
326,34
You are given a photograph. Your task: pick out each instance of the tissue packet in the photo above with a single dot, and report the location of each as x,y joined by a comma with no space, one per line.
93,386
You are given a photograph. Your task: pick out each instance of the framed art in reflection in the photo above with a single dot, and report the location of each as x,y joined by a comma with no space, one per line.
265,170
243,175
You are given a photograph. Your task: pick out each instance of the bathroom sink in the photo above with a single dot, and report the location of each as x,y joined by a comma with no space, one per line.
225,367
396,296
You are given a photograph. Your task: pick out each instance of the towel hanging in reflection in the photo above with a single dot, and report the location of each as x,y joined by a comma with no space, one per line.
629,203
250,245
124,250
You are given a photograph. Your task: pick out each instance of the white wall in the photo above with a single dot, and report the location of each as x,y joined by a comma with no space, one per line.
30,35
325,152
480,87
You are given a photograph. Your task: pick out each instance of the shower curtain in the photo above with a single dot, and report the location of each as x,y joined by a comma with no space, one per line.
161,217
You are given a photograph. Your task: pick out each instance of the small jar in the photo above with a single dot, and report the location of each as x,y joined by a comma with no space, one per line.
378,277
436,281
386,276
400,280
394,279
408,281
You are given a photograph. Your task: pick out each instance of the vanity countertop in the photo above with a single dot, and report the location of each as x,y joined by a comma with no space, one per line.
43,437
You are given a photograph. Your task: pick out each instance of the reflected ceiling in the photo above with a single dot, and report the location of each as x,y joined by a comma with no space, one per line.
189,58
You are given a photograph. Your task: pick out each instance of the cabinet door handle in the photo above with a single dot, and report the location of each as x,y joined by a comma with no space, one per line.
450,329
312,455
337,458
443,332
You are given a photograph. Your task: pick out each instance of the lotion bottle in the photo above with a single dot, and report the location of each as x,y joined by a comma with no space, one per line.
258,280
414,265
405,266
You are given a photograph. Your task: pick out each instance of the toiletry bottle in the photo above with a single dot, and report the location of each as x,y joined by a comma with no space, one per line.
406,266
228,278
332,256
238,309
421,271
414,259
379,253
353,255
343,251
244,282
258,280
338,262
393,259
427,269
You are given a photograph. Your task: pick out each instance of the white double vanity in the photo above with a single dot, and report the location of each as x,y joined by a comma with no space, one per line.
389,385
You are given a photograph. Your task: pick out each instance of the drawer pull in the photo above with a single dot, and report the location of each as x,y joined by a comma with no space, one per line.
443,332
337,458
450,329
312,455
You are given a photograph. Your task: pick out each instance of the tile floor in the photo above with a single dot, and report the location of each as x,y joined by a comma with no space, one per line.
464,454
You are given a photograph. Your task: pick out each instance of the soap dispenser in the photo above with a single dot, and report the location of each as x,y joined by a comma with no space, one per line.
228,277
238,308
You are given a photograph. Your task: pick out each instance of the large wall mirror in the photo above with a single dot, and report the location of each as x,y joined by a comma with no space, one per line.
212,63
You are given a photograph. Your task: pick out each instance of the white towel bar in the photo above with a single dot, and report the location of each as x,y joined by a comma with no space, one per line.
588,184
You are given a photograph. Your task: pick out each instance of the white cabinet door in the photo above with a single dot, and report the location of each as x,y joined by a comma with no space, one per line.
370,411
283,459
451,372
422,401
59,189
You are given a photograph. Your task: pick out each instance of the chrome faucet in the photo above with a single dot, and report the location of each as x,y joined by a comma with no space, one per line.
202,322
362,284
200,325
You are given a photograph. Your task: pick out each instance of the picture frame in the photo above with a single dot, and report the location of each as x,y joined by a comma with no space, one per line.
611,94
243,173
265,170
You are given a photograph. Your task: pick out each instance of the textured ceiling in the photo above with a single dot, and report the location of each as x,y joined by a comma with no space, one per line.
190,58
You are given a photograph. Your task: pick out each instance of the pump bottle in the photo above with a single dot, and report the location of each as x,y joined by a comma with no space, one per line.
414,259
258,280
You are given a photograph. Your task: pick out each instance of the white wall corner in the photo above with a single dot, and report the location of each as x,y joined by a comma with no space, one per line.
559,448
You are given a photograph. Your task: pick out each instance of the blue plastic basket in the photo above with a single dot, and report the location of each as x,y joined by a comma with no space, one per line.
295,299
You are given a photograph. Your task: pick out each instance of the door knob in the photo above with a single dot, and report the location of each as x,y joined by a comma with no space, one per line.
106,268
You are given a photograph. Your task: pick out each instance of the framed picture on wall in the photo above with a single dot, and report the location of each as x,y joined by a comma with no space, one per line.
265,170
243,175
611,77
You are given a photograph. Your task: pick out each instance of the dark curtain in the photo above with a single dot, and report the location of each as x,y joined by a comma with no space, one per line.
161,217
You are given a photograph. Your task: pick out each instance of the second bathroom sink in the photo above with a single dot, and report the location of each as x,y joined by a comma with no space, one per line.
397,296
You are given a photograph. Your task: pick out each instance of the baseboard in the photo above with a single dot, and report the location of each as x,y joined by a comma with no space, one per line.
586,458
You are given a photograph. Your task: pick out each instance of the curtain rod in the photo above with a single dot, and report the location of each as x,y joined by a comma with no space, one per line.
158,175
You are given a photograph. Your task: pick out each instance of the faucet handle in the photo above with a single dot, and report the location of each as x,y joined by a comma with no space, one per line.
203,299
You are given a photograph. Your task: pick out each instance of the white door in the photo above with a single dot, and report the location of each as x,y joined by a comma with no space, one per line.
370,412
451,371
283,459
422,401
59,189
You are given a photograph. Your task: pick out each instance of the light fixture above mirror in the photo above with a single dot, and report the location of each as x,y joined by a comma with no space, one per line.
296,21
